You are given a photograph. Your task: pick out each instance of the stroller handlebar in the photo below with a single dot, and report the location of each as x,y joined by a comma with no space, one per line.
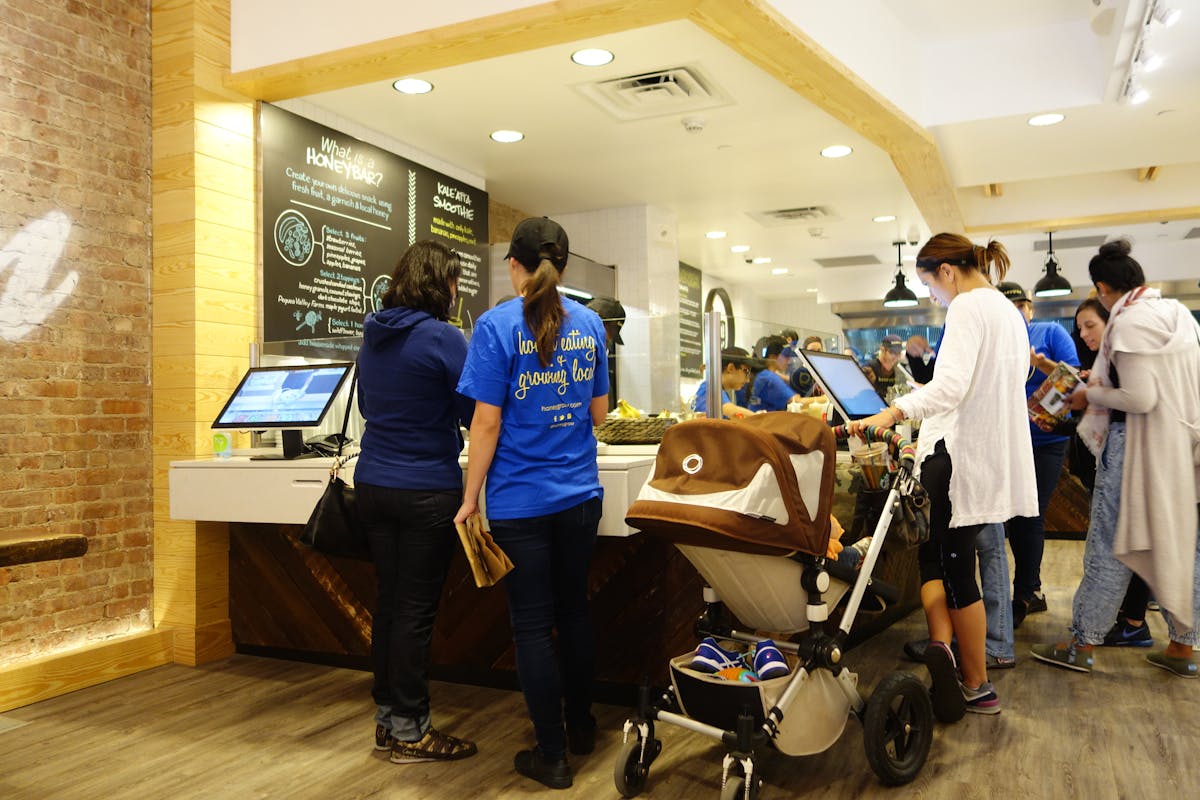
902,449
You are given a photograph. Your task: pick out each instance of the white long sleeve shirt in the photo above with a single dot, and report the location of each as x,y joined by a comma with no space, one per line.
976,405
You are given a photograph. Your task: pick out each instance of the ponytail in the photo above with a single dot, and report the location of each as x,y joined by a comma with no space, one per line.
952,248
996,254
543,309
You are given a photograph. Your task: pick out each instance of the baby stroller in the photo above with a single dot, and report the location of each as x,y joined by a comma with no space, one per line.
748,504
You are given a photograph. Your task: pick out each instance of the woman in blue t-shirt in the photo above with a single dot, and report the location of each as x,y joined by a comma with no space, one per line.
537,368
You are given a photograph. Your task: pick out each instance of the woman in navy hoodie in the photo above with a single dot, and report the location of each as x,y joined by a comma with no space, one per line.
409,486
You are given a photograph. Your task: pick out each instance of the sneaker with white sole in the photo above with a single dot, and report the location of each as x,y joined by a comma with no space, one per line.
983,700
768,662
711,657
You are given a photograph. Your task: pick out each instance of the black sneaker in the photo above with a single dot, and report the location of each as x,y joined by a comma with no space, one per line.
1122,634
383,738
1037,604
532,764
915,650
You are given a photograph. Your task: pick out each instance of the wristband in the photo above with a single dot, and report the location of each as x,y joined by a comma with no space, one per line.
893,413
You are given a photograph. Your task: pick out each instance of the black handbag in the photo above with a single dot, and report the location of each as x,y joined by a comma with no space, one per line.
333,527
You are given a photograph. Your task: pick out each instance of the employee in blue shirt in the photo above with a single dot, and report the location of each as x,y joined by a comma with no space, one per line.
1027,535
537,368
771,389
735,373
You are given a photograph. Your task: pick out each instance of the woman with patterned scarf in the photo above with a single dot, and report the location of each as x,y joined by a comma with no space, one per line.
1142,421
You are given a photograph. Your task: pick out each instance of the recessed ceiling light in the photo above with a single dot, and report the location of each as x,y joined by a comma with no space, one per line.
837,151
740,248
1042,120
884,218
811,290
761,260
507,137
592,57
1164,14
412,86
715,235
779,271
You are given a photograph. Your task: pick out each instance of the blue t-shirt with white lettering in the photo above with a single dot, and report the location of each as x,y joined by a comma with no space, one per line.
771,392
545,458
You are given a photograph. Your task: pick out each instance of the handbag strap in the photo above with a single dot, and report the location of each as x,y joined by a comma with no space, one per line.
346,416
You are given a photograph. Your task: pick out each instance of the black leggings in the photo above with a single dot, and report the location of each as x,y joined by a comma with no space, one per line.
949,554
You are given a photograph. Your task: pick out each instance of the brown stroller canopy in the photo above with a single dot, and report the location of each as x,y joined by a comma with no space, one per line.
760,485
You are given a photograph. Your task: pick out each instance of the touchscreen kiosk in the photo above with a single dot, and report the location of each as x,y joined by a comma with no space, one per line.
844,383
287,398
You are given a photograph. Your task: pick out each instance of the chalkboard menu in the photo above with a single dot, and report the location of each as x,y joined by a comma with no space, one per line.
691,334
337,215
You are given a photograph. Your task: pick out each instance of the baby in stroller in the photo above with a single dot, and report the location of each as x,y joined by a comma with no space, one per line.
748,504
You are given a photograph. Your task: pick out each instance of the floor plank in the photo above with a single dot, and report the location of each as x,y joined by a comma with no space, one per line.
250,727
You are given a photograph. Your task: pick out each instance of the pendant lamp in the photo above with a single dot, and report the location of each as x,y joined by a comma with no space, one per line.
1051,284
899,296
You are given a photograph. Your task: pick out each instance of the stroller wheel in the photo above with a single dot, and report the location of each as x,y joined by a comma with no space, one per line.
898,728
735,788
629,773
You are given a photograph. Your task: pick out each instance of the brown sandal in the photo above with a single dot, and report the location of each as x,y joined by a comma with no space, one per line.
433,746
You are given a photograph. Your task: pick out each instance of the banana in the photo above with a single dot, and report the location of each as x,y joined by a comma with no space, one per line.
626,411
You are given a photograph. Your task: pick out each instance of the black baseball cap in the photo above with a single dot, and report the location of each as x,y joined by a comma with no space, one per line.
1014,292
611,312
536,238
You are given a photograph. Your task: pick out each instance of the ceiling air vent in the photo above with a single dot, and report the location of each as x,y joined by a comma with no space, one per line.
791,216
654,94
1090,242
848,261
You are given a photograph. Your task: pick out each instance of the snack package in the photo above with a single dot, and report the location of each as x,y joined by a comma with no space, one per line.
1048,405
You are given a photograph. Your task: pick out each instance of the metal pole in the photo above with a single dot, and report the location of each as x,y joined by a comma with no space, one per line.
712,364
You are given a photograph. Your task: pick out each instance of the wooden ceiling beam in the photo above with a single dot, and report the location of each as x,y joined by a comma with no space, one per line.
750,27
1094,221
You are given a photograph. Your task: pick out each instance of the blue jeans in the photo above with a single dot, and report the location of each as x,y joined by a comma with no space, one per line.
548,591
1105,579
1027,535
412,539
993,575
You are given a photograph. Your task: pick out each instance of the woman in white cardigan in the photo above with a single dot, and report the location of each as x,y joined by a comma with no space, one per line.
1143,424
974,456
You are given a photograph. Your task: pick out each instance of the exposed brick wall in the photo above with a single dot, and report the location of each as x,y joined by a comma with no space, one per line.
75,450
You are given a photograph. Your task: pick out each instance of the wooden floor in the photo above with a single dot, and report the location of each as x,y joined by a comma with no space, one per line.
252,727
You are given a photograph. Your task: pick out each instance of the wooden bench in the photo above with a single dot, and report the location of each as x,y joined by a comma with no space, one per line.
24,547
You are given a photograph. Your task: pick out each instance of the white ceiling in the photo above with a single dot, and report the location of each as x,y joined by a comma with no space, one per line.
971,72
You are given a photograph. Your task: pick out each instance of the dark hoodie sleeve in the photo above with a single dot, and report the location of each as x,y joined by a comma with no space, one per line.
454,355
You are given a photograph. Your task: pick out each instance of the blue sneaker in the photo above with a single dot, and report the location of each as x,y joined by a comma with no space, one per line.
768,661
711,657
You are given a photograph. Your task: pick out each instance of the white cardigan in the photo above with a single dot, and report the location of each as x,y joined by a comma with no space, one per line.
976,404
1156,349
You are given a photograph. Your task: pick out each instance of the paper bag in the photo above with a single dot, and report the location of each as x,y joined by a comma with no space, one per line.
488,562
